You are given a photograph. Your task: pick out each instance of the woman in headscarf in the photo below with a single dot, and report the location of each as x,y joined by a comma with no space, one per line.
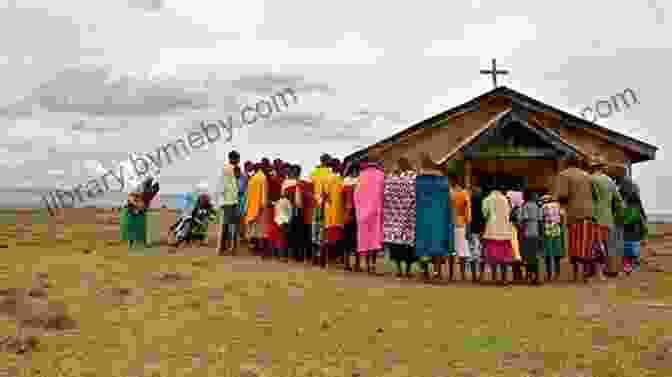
634,223
607,205
369,212
434,229
498,232
399,215
257,200
334,211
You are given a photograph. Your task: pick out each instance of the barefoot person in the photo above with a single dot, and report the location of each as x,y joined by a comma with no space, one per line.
607,204
634,224
350,229
554,239
257,198
462,205
229,193
498,232
369,212
531,241
334,213
399,216
475,231
574,191
434,229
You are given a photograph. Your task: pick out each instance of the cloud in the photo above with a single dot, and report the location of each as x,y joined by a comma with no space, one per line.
92,91
270,83
501,38
149,5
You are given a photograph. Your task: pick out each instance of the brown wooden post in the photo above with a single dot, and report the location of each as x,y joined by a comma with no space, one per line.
467,174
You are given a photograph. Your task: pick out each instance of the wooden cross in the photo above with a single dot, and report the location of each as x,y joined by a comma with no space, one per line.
494,72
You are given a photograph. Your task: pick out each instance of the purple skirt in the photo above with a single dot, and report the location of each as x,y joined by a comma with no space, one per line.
498,251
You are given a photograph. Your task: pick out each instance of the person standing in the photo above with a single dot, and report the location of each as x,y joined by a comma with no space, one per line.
462,209
257,198
334,213
498,232
308,200
291,190
607,205
516,201
318,177
633,222
574,190
368,199
475,231
350,229
399,216
434,229
554,239
229,193
531,241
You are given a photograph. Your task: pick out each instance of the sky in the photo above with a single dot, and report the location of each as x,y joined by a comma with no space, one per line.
86,82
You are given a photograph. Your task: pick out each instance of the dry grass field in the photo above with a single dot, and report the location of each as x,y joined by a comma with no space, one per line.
82,306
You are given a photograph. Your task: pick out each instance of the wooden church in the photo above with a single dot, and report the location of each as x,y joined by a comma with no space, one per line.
505,133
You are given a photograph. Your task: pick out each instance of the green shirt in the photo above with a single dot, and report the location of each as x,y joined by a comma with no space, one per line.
229,186
607,202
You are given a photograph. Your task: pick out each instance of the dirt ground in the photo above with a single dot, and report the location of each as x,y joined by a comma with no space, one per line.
73,302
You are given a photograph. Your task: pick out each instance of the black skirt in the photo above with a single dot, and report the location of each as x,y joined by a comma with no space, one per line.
296,231
402,253
349,240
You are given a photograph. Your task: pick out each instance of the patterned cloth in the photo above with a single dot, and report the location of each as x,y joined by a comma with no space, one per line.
581,237
474,248
399,210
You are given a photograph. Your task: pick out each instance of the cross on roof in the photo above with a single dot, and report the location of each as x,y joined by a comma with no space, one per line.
494,72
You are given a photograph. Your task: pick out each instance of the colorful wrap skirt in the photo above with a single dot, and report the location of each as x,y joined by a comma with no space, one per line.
581,237
498,251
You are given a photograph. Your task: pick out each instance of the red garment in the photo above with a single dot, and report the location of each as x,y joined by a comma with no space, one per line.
333,234
307,189
581,237
274,188
290,186
601,232
274,233
349,200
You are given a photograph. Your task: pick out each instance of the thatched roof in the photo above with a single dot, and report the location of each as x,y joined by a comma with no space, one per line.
525,110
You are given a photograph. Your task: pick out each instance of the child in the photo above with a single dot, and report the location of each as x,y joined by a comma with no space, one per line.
554,238
283,215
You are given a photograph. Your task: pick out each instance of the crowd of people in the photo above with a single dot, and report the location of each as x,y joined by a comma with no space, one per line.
424,219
